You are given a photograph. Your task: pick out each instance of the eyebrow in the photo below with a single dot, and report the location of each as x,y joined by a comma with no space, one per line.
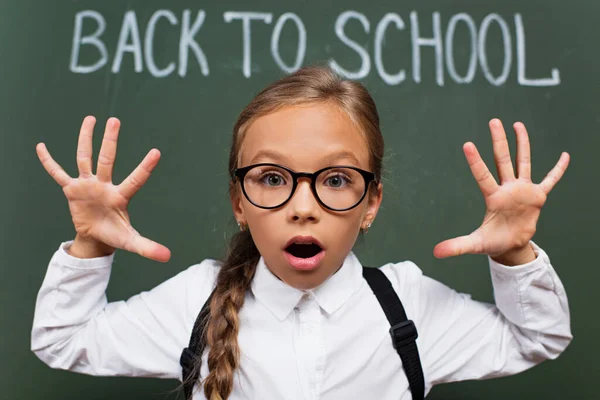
270,155
267,155
340,155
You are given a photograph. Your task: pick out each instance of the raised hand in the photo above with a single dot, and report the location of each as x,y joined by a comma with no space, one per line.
512,207
99,208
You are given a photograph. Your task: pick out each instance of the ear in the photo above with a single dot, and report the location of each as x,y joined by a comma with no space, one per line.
236,203
374,201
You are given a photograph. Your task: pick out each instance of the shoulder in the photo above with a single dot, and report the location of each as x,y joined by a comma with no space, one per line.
404,276
417,291
408,279
207,269
199,279
189,289
424,298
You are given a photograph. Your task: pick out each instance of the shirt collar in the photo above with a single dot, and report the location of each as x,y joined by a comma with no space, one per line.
280,298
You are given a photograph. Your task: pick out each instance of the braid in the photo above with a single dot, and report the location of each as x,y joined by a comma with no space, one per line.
233,280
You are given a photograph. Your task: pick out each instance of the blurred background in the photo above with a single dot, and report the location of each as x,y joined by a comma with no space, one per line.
178,73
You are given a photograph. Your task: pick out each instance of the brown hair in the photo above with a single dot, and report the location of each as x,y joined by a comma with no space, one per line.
308,85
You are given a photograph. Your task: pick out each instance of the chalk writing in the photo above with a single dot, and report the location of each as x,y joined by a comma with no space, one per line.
440,38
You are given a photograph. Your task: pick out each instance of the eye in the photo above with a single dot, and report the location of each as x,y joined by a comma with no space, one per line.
337,181
272,179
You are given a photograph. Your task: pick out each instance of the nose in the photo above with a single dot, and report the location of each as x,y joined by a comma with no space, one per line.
303,206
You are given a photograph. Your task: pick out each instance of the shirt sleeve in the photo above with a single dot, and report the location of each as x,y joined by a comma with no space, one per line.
75,327
463,339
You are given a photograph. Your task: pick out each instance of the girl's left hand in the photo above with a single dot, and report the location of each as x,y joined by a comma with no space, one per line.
512,208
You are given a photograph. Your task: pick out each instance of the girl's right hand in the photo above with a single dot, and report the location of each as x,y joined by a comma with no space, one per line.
99,208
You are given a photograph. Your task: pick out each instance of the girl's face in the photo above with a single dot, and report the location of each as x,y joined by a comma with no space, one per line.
304,138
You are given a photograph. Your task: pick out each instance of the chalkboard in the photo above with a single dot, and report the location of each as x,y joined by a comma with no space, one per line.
178,73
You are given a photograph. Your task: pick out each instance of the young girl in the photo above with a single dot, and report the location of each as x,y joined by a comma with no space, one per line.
291,316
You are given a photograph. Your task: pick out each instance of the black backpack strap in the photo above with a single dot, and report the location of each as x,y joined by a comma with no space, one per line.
194,350
403,330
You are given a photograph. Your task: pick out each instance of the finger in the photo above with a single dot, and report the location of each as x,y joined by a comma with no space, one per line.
108,151
523,152
84,146
147,248
140,175
556,173
51,166
457,246
480,171
501,152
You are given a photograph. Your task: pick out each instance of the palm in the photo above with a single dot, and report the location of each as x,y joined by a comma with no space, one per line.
99,208
511,217
513,207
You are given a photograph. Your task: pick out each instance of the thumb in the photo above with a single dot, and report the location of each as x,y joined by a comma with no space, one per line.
147,248
468,244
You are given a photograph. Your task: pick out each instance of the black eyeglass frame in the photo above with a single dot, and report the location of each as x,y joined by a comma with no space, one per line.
240,173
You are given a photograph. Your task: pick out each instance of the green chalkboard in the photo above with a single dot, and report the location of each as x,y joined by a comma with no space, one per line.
178,73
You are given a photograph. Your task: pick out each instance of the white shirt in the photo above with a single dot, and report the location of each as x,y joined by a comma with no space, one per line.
329,343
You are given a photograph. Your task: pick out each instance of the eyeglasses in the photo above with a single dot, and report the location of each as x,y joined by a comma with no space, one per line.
337,188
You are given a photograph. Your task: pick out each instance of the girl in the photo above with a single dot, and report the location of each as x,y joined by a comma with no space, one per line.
291,316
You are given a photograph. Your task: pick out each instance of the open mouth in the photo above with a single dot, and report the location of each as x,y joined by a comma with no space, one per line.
303,250
304,253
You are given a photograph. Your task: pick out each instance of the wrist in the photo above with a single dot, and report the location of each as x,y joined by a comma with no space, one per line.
84,247
517,256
